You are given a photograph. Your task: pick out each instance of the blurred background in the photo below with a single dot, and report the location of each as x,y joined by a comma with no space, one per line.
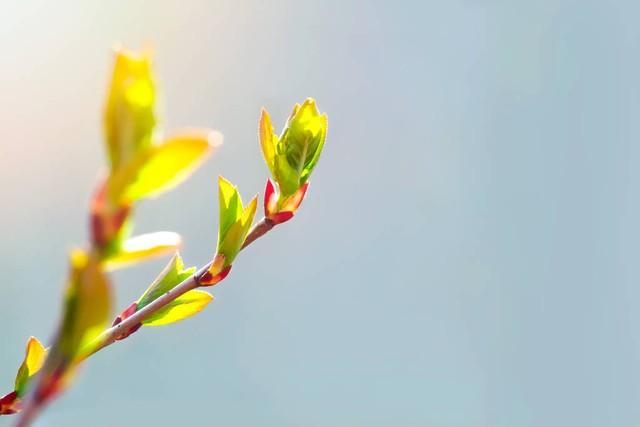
465,254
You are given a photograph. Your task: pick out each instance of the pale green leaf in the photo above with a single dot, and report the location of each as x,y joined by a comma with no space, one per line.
286,176
230,207
316,148
143,247
182,307
298,148
268,140
129,116
35,355
172,275
161,167
85,315
87,304
237,233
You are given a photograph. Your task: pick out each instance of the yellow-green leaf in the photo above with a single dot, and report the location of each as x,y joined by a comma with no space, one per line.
237,233
235,221
182,307
162,167
143,247
87,304
298,148
230,206
85,315
35,355
268,140
172,275
129,116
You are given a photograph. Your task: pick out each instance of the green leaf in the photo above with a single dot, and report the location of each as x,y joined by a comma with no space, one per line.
315,149
87,304
172,275
268,140
182,307
129,117
286,176
35,355
85,316
235,221
303,138
161,167
233,241
230,206
298,148
143,247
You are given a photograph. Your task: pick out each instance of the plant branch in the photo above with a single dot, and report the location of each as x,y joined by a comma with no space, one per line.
112,334
261,228
122,329
28,414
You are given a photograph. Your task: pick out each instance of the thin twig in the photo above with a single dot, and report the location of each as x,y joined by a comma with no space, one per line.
261,228
112,334
28,414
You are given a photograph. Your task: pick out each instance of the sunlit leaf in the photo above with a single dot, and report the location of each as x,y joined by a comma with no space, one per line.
303,139
235,221
316,144
230,206
268,140
87,303
129,117
237,233
172,275
162,167
287,177
35,355
298,148
182,307
85,315
143,247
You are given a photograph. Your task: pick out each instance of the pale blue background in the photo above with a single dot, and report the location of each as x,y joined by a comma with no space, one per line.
467,255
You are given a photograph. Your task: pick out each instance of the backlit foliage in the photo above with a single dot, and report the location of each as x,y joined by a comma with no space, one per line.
142,163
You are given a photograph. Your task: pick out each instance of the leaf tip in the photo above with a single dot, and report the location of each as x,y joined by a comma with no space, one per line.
215,139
